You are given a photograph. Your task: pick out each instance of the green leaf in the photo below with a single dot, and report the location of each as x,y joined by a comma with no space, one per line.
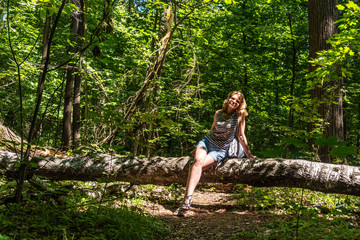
343,151
42,12
340,7
33,164
294,141
330,141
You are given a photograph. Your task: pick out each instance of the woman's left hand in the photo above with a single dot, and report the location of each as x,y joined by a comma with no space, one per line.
193,152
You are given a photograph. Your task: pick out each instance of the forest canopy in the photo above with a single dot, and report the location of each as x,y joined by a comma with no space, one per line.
144,78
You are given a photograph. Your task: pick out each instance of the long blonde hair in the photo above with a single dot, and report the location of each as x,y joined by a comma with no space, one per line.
242,106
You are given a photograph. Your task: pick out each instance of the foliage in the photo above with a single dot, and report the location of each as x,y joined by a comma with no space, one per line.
258,47
339,61
306,215
51,222
75,214
92,210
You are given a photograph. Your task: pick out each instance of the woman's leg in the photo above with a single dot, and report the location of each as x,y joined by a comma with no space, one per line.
202,161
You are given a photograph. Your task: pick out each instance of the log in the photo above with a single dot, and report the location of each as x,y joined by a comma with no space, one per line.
270,172
9,140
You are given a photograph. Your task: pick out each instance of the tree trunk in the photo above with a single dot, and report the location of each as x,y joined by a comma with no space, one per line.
9,139
322,16
324,177
86,82
66,133
79,17
73,82
76,111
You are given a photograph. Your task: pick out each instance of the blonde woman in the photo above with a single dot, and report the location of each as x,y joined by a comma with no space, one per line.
229,123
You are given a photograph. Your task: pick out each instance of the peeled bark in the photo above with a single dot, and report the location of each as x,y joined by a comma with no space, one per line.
271,172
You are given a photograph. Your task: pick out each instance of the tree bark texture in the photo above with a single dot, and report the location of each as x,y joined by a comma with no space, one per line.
271,172
322,16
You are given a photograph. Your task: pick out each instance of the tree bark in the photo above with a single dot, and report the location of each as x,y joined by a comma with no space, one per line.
73,83
79,17
76,111
66,132
324,177
86,106
322,16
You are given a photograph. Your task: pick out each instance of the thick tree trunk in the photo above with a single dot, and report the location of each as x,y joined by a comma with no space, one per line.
328,178
322,16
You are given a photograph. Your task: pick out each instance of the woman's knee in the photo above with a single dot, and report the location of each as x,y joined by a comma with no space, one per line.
204,161
199,161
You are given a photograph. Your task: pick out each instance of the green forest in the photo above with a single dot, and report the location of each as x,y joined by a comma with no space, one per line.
140,79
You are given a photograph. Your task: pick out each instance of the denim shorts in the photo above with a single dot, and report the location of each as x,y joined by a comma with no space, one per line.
216,153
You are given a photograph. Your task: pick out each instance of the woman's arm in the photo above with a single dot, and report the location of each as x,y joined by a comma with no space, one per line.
241,136
212,128
214,121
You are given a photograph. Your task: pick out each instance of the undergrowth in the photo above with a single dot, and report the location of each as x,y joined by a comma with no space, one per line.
306,214
75,213
92,210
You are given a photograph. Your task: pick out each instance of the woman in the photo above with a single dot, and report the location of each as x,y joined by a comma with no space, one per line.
229,122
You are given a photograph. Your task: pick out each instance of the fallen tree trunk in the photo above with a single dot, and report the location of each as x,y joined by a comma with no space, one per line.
271,172
9,139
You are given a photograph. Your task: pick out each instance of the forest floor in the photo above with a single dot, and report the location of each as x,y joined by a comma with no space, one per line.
215,214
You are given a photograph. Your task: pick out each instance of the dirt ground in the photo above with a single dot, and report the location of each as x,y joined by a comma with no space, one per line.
214,215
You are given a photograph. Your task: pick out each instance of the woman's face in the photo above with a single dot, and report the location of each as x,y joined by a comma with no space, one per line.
234,101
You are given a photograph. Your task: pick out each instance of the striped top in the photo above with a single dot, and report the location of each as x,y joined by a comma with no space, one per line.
224,131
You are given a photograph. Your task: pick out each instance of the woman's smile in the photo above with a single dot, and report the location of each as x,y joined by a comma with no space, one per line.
234,101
